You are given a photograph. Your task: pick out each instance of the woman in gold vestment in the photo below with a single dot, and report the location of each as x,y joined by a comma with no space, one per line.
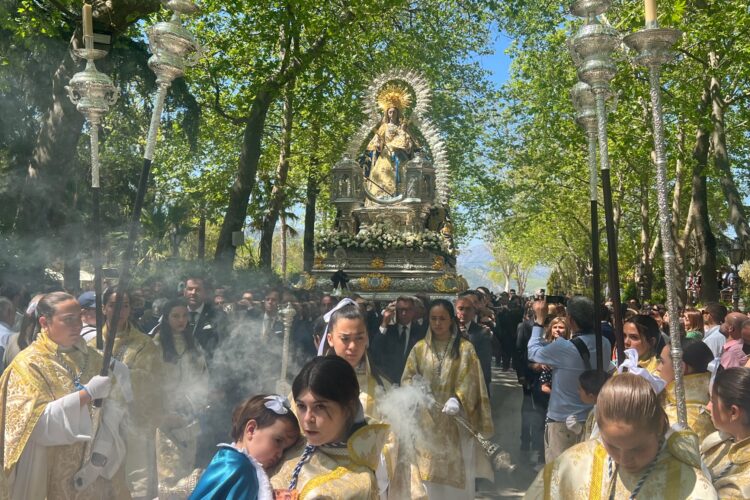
447,459
185,389
141,355
695,359
636,455
342,452
45,409
347,338
642,333
726,452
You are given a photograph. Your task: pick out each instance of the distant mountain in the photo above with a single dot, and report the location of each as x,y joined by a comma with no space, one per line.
474,263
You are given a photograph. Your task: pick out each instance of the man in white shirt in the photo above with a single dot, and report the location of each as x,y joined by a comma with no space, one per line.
88,315
713,316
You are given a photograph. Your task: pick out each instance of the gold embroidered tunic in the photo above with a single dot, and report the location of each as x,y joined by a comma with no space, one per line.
440,460
185,389
343,473
40,374
696,398
141,355
582,472
729,465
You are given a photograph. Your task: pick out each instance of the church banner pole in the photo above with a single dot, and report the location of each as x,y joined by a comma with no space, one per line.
585,105
173,49
593,46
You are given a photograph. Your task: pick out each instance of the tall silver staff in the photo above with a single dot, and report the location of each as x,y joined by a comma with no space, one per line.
93,93
287,317
653,47
585,105
593,46
173,49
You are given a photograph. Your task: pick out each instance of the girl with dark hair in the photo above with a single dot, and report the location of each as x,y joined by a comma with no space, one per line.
449,366
642,333
726,452
342,451
46,397
347,338
696,356
636,455
263,427
139,353
185,389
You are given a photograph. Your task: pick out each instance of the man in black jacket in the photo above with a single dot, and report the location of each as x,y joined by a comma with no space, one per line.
479,335
391,346
207,323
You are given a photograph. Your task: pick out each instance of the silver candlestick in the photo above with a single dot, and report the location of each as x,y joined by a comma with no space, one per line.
287,317
93,93
584,103
592,48
653,47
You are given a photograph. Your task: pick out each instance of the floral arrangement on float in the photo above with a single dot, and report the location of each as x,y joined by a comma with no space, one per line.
377,238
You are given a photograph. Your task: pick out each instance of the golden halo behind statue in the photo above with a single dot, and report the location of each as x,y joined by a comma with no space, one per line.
393,95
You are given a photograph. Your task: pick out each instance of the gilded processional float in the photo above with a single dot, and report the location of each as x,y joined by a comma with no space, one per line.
392,233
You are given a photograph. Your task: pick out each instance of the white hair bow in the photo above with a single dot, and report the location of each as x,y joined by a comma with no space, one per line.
327,318
277,404
631,363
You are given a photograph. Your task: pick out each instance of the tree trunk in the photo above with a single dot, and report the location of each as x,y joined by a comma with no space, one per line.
311,199
679,249
309,231
239,193
278,192
721,161
202,237
282,217
43,209
647,274
704,236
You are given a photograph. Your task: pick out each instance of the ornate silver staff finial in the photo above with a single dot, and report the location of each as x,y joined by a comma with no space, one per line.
173,49
287,317
93,93
653,48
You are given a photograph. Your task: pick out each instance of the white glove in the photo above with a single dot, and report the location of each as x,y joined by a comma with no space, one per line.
573,425
452,407
98,387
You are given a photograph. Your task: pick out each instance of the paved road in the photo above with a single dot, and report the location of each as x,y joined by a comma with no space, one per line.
506,412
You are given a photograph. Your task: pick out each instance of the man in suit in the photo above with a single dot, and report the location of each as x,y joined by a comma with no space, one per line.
205,321
479,335
392,344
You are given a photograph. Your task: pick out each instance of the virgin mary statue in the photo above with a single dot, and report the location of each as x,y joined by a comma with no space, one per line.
391,146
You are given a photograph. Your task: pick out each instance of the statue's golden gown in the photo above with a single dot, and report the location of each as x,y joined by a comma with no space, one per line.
440,460
185,388
141,355
341,473
389,139
35,378
719,451
581,472
696,397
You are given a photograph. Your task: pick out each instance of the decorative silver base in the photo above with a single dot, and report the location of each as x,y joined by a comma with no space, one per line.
653,45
